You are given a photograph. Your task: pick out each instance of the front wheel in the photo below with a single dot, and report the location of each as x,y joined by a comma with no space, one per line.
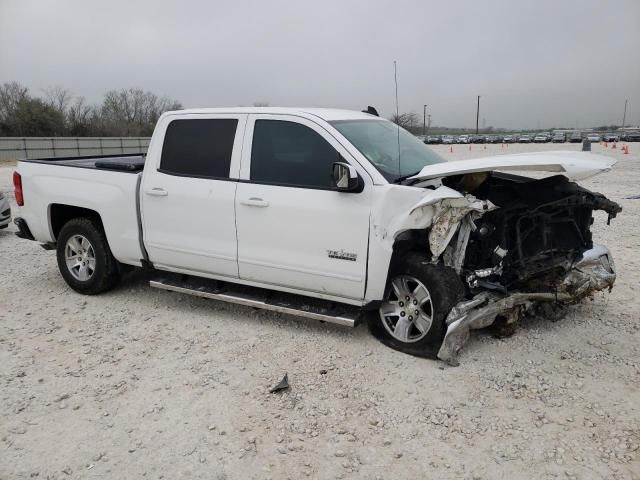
419,296
84,257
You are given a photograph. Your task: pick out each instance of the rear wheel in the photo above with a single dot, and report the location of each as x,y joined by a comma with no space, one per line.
418,299
84,257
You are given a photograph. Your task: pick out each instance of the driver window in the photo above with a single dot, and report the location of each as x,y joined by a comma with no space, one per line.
288,153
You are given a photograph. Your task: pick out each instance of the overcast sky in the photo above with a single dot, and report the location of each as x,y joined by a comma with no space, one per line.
534,63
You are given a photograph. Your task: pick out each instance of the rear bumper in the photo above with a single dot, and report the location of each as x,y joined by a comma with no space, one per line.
595,271
23,229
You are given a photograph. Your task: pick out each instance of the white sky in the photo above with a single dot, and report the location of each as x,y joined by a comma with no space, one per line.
535,63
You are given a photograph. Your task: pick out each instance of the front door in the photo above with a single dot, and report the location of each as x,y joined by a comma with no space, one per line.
294,229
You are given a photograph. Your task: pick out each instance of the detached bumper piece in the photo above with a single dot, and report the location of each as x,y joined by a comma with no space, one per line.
594,272
23,229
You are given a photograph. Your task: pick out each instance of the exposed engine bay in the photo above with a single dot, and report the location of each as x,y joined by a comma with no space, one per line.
530,243
540,228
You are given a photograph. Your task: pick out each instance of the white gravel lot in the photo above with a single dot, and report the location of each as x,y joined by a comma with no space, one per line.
142,383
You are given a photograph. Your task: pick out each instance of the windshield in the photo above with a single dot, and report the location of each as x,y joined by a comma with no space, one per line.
378,141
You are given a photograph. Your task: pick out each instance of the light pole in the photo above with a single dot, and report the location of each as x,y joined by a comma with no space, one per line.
424,120
624,116
429,122
477,114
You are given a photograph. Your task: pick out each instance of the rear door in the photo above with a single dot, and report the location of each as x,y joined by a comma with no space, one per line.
294,229
188,194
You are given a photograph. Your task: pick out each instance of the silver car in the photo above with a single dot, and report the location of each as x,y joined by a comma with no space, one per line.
5,211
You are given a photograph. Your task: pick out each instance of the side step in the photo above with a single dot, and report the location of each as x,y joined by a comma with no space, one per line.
316,309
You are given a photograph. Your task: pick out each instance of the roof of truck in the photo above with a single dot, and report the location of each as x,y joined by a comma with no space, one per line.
328,114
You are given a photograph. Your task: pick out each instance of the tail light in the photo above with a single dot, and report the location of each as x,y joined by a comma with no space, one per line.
17,185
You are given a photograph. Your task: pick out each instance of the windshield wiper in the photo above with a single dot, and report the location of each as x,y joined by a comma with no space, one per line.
404,177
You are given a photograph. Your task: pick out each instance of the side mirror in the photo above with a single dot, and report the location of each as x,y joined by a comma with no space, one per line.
345,177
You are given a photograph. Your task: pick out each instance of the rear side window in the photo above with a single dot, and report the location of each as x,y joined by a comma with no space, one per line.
288,153
198,148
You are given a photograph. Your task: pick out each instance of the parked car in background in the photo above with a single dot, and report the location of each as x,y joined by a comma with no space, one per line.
448,139
630,137
559,137
492,139
610,137
509,139
208,212
594,137
477,139
5,211
575,137
464,139
540,138
433,139
524,139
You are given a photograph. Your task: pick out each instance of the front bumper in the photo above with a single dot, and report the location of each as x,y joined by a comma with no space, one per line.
593,272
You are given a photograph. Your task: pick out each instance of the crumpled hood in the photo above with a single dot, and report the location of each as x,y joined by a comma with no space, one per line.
574,165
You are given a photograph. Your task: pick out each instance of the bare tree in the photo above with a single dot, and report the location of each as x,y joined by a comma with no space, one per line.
408,121
57,97
80,117
11,94
133,111
123,112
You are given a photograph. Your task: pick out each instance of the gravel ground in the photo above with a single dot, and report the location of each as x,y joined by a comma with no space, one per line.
142,383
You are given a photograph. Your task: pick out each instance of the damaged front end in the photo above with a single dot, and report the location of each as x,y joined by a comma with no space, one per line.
517,243
594,271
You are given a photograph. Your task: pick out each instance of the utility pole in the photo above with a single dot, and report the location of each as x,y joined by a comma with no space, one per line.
477,114
624,116
429,122
424,120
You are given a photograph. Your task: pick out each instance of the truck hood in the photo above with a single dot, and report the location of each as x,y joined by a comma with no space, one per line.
574,165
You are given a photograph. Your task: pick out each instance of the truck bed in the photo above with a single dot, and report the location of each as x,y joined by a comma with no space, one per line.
131,162
107,185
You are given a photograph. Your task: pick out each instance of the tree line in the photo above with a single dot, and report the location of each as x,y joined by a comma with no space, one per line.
126,112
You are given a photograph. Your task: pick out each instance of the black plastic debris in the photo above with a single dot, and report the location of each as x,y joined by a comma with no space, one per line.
323,372
283,385
633,197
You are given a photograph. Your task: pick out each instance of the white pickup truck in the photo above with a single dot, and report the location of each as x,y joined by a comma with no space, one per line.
331,214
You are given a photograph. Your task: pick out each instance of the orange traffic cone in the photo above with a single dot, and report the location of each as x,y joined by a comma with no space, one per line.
613,146
469,147
606,145
451,149
503,146
485,147
626,149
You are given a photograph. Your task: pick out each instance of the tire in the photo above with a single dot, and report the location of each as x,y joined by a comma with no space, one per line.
444,290
101,271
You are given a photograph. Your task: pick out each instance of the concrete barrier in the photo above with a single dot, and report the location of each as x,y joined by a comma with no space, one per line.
14,148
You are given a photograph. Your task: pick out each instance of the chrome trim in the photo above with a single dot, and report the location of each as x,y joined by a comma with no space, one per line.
251,302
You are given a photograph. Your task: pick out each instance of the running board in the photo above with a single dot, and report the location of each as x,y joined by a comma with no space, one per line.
322,310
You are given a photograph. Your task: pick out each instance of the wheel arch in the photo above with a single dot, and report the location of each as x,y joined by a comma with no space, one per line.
59,214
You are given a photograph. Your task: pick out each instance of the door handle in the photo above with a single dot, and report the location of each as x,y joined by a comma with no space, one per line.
254,202
157,192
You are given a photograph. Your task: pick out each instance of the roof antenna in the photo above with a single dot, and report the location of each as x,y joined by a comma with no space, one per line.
395,76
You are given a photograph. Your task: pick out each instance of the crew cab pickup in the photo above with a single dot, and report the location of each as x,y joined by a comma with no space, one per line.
330,214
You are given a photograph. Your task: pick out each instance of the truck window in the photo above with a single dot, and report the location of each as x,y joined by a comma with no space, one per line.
198,148
288,153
